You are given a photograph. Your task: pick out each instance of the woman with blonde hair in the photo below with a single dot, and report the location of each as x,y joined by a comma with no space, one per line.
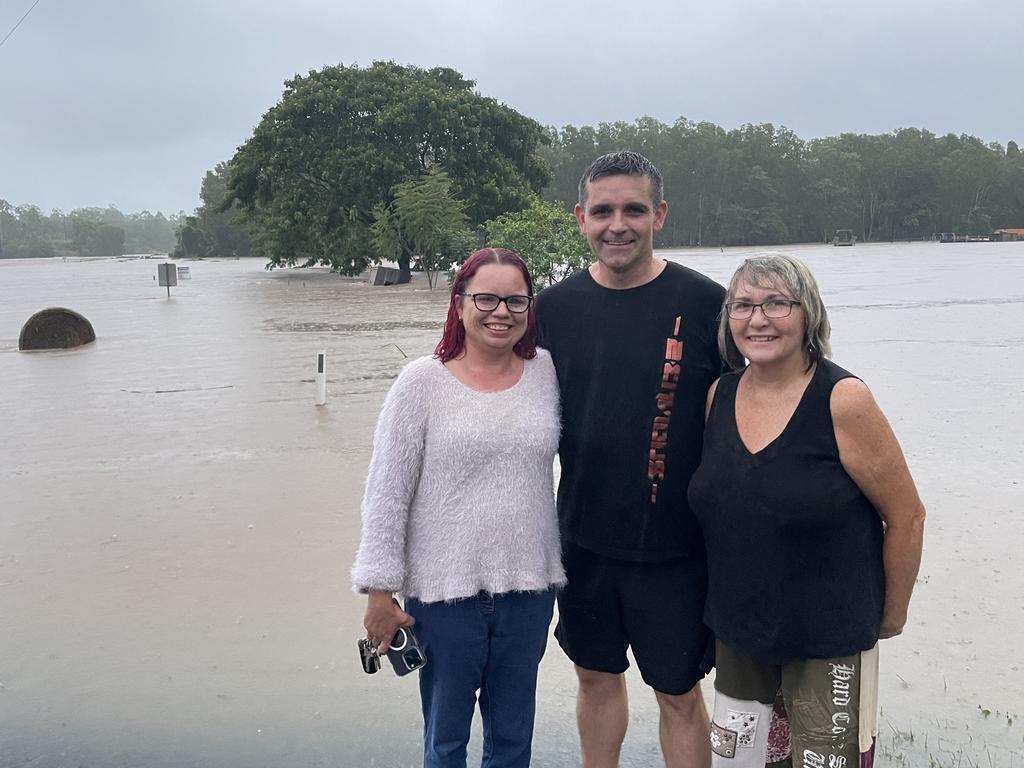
813,528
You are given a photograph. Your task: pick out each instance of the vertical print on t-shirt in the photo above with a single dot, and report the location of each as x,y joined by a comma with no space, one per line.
670,373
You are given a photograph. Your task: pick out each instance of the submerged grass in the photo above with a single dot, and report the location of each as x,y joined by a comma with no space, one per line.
941,749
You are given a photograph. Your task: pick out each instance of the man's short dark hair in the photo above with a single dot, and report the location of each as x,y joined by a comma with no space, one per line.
623,164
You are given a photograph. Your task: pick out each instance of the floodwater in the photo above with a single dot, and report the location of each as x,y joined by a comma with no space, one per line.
177,517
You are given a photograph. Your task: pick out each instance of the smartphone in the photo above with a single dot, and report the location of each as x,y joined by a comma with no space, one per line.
405,653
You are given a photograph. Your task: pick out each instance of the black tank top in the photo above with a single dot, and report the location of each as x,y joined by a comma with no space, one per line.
794,547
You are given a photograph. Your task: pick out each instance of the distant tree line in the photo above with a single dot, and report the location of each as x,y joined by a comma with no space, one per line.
762,185
27,232
355,166
391,163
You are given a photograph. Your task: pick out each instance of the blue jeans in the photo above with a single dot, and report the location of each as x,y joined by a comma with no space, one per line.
487,643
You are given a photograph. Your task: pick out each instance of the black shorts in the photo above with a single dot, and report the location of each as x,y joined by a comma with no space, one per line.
654,608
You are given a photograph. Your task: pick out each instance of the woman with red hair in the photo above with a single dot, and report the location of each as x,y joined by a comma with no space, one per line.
459,515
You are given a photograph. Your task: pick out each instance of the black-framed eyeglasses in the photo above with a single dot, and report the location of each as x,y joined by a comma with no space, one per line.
773,308
488,302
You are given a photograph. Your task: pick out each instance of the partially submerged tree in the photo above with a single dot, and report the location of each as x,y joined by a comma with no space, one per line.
546,236
425,221
342,139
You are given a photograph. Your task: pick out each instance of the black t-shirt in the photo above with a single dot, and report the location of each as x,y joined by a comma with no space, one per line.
634,367
794,547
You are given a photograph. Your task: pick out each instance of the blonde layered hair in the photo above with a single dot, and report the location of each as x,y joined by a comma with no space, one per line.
777,270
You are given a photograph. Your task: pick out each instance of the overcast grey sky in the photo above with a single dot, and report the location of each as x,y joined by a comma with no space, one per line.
129,102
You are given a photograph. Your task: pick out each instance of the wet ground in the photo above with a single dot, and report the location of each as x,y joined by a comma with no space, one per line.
177,517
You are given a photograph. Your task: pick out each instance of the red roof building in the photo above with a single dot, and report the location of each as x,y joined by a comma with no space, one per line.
1008,234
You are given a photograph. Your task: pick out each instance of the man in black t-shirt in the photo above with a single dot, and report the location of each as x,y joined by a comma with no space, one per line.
634,344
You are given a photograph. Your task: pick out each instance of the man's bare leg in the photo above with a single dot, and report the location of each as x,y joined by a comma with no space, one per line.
602,715
684,729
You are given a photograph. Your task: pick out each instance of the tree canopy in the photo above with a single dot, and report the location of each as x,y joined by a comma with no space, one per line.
429,218
342,139
546,236
217,228
762,185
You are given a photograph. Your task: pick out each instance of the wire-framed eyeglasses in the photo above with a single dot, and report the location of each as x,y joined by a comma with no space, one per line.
773,308
488,302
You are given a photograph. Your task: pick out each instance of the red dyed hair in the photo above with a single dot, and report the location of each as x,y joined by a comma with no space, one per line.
453,340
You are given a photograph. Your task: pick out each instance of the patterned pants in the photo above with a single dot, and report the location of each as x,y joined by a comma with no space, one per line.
827,706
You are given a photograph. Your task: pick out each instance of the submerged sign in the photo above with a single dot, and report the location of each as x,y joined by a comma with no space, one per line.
167,274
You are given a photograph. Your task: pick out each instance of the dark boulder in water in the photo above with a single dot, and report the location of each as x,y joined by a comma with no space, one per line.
56,328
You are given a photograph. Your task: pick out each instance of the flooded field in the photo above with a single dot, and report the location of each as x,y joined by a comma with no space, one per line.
177,517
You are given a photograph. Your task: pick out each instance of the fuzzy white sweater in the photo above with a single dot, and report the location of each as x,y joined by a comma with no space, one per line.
460,492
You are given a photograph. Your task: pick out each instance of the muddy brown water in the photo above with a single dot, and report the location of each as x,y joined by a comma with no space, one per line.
177,517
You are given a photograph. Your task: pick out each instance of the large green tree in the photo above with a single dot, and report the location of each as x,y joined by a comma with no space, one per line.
546,236
343,138
429,218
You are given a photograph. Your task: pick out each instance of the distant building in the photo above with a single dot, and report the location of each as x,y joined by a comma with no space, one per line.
1008,234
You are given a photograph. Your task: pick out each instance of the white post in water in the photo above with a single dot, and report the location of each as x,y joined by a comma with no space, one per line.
321,377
